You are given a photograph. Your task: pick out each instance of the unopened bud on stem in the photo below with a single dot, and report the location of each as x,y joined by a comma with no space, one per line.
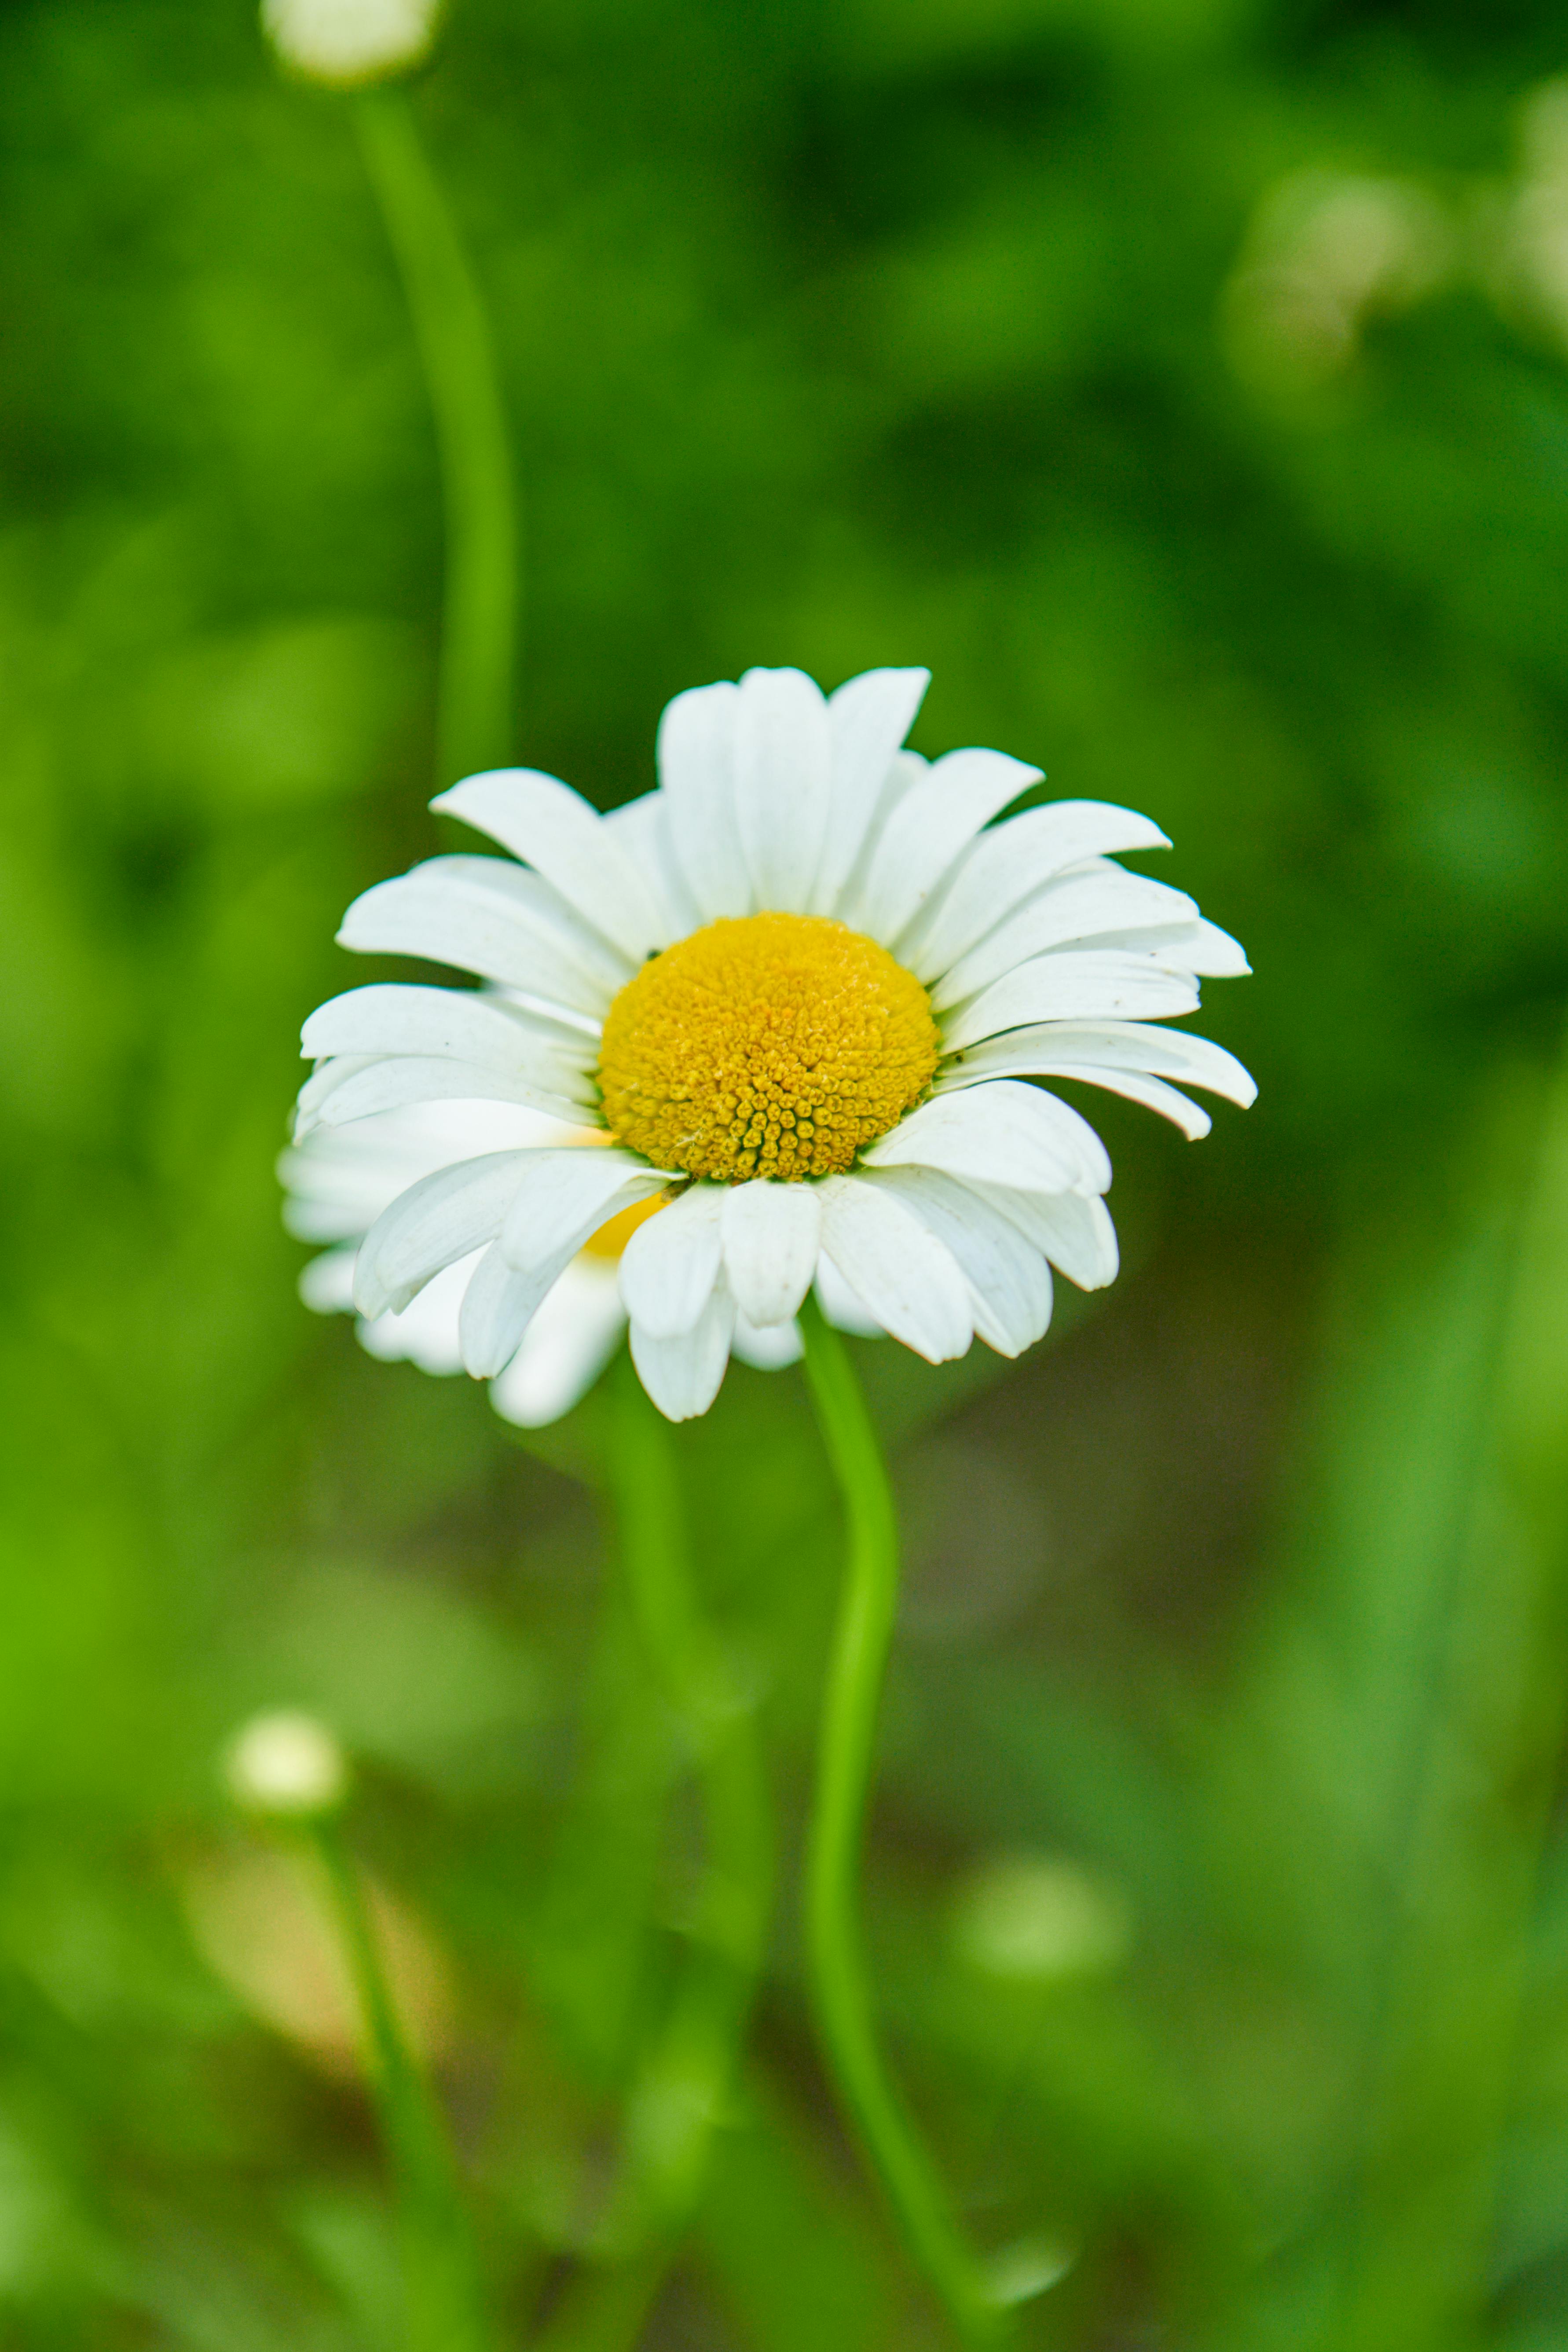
287,1765
347,43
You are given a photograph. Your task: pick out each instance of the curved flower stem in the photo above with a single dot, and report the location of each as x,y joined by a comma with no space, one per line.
444,2298
844,1757
686,2077
474,727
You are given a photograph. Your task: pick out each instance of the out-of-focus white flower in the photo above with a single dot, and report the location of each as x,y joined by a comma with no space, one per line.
1326,251
800,993
347,42
287,1765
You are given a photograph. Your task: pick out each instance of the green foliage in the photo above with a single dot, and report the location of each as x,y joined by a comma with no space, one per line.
1010,338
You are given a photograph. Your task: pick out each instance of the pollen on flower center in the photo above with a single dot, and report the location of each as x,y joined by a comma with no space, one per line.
765,1045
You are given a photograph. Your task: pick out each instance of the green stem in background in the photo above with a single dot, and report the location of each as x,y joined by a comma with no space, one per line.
444,2298
474,727
844,1756
686,2079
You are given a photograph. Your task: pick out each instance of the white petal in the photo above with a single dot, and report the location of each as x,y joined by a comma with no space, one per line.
682,1375
1009,1279
783,774
327,1284
311,1219
436,1221
906,771
839,1304
498,1305
669,1266
1136,1086
868,719
900,1272
487,916
335,1191
1154,1095
1076,906
566,1347
697,773
1061,1048
465,1023
1202,948
1072,985
771,1236
1009,863
1004,1132
340,1179
1072,1229
769,1349
343,1090
926,832
563,1197
642,828
557,831
425,1333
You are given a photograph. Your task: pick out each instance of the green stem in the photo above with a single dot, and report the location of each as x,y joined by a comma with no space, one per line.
474,727
844,1758
444,2301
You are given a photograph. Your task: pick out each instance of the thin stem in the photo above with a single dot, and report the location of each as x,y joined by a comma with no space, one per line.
844,1757
686,2078
474,728
444,2301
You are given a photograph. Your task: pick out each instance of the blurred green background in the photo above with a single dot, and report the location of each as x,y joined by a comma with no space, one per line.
1187,383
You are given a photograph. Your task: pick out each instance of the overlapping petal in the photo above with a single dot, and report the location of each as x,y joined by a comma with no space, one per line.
436,1221
925,832
670,1266
560,1198
908,1282
1005,1133
682,1374
695,754
772,1239
553,829
868,719
498,921
1007,864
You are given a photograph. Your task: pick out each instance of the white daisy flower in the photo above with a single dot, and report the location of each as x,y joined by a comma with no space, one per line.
802,992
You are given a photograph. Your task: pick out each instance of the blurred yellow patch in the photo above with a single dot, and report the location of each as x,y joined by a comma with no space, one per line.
263,1922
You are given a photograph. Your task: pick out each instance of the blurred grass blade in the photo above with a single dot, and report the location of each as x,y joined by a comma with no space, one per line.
479,628
445,2309
1483,1765
684,2079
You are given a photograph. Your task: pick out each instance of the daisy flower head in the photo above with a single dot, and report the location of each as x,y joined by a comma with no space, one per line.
801,996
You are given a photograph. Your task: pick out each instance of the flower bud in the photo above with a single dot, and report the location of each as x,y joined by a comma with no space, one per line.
287,1765
346,43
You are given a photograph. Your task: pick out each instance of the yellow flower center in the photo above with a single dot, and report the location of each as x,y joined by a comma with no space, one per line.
765,1045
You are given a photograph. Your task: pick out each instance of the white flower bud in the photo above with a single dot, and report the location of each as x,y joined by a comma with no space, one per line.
285,1764
345,43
